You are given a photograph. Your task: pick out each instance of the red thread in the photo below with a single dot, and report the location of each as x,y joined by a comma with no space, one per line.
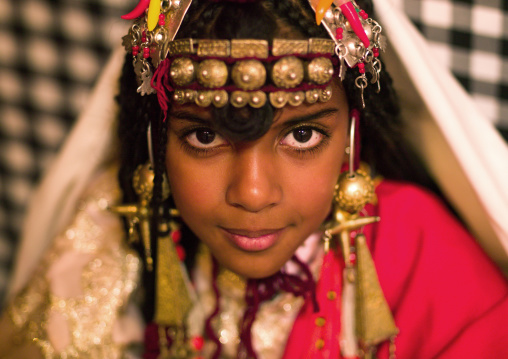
161,84
260,290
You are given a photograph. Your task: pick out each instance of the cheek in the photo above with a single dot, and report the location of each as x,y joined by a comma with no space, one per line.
313,188
195,188
312,191
319,176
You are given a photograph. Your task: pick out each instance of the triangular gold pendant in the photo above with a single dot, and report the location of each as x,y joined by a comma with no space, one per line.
172,299
374,320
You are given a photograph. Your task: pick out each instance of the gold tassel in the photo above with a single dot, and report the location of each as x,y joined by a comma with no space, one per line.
172,299
374,321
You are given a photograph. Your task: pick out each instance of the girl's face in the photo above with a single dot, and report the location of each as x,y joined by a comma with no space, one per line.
253,203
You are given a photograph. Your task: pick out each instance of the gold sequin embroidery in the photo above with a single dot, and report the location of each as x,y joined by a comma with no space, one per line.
107,281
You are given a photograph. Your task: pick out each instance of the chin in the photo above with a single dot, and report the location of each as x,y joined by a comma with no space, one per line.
255,273
254,268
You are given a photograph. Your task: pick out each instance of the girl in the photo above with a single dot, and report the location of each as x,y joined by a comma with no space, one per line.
242,125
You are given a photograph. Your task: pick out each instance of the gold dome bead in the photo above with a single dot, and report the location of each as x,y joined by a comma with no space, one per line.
325,94
354,191
182,71
312,96
239,98
212,73
257,99
179,96
190,95
287,72
320,70
278,99
249,74
220,98
203,98
296,98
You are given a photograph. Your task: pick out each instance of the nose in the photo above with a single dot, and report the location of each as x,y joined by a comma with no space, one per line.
254,182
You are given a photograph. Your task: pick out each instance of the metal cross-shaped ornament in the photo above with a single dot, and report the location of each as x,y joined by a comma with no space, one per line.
353,192
138,214
146,81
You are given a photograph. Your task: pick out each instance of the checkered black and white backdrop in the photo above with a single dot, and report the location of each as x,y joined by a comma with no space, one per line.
471,38
52,50
51,53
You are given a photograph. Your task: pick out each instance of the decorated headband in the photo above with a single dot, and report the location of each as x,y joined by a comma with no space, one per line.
249,72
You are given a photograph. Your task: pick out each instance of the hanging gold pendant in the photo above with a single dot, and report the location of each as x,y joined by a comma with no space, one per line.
138,214
374,320
172,299
352,192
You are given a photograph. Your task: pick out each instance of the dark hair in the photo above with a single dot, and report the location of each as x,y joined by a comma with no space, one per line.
383,145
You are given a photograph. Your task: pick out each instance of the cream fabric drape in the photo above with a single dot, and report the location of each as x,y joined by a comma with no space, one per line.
89,146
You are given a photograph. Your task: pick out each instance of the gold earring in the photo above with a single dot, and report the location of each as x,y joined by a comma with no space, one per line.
373,321
139,214
354,189
172,297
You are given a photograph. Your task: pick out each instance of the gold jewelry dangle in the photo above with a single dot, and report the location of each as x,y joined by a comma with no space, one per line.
353,192
372,322
354,189
361,83
172,298
138,214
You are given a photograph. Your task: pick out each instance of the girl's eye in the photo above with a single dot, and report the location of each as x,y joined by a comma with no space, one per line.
205,139
303,138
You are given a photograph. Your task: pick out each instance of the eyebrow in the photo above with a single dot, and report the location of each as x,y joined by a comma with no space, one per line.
192,117
189,116
310,117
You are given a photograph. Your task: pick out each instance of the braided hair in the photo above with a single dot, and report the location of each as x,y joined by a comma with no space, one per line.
381,126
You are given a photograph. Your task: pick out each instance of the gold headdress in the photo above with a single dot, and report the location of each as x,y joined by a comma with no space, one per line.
247,71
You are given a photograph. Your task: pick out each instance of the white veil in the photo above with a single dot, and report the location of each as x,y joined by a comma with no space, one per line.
460,146
87,148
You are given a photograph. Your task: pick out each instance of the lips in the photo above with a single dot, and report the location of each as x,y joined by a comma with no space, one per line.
253,240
